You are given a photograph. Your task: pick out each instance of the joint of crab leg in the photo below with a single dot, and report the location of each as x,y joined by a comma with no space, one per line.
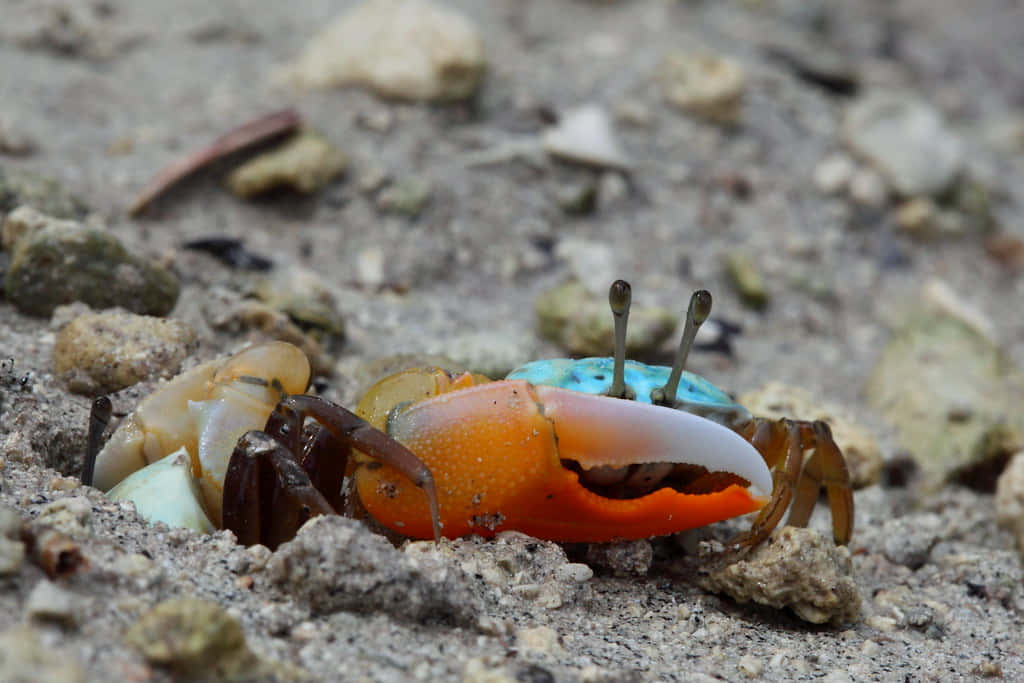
99,418
696,314
825,467
263,476
619,298
599,431
361,435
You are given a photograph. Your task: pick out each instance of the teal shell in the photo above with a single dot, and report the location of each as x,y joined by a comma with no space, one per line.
594,376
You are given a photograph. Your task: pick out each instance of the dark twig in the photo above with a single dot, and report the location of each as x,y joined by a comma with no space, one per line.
252,133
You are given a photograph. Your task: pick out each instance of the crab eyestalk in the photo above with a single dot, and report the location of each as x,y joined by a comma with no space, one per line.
696,314
620,296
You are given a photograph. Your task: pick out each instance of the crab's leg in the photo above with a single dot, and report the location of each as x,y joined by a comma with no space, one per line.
267,494
774,440
99,418
357,433
825,467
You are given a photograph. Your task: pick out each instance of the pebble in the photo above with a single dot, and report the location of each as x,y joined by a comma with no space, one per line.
746,278
19,187
591,263
707,85
908,540
833,174
55,262
407,196
543,639
50,602
25,655
304,296
796,568
14,141
863,455
334,564
612,189
585,135
962,435
304,163
624,558
1009,500
907,141
867,188
12,556
407,49
71,516
99,353
751,666
582,323
194,637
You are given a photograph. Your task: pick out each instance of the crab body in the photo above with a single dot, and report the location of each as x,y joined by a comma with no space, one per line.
545,451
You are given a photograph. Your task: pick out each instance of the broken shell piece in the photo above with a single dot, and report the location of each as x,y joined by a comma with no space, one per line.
409,49
585,136
166,492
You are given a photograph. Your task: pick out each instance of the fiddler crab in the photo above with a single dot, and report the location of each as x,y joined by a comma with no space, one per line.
598,449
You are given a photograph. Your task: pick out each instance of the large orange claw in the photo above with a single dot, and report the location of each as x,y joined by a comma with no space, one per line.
496,451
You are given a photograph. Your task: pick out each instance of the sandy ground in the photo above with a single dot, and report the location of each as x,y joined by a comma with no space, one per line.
117,90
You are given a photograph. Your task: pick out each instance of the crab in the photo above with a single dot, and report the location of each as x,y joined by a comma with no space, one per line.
598,449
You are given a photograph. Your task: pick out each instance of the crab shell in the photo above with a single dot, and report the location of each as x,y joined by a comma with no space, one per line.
495,449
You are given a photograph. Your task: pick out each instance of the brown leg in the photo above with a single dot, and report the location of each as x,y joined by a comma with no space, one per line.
357,433
267,495
772,439
825,467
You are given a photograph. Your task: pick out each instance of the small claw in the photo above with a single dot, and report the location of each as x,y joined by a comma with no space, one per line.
166,492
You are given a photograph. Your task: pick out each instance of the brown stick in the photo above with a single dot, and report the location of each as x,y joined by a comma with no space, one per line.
252,133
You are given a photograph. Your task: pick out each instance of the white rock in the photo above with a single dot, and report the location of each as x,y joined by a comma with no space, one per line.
906,140
868,188
833,174
704,84
50,602
408,49
585,135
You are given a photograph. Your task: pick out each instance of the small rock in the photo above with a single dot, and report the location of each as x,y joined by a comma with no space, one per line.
590,262
867,188
795,568
194,637
303,295
71,516
907,141
58,261
746,278
50,602
407,196
24,188
585,135
481,670
863,456
917,215
269,323
304,163
954,398
12,556
408,49
706,85
543,639
751,666
25,657
582,322
335,563
98,353
578,198
1009,499
15,142
612,189
818,64
833,174
908,540
625,558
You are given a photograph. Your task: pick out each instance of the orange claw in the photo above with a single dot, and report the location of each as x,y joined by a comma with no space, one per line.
496,453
